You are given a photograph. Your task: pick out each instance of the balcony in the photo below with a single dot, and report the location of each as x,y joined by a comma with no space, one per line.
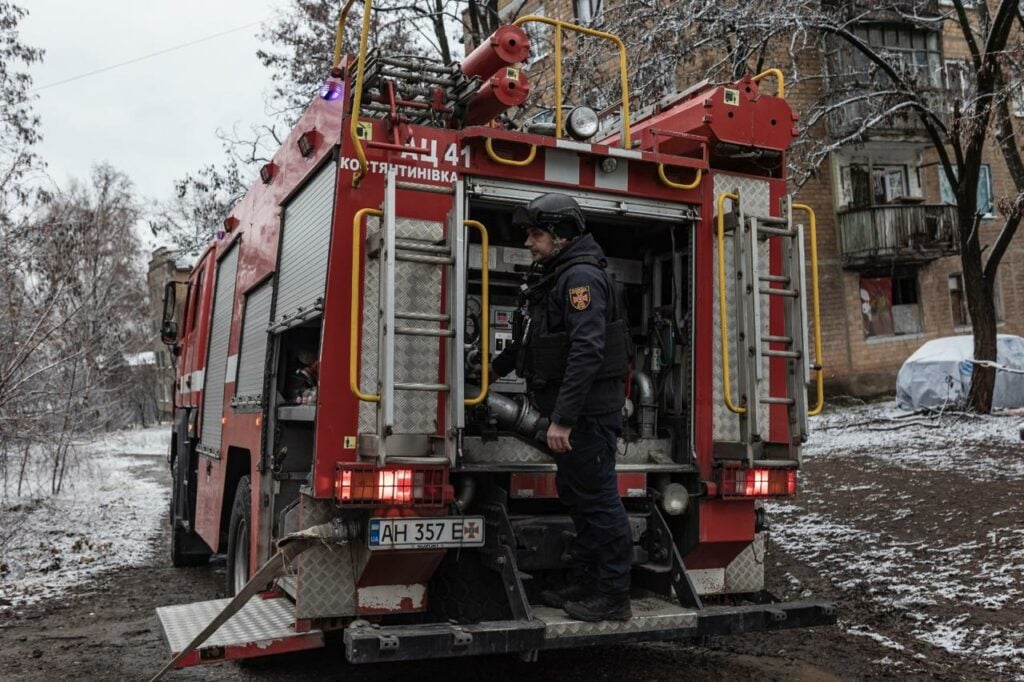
897,233
846,120
865,10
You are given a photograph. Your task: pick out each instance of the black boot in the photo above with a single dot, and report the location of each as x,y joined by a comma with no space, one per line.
600,607
575,591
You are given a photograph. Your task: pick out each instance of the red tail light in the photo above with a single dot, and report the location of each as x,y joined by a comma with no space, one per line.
758,482
368,486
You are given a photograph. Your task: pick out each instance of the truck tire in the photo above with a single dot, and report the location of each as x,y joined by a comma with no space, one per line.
238,538
187,548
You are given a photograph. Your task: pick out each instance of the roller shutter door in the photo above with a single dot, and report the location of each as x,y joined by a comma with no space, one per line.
217,358
252,356
305,239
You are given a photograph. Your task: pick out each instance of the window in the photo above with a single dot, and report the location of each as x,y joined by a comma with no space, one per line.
890,304
194,293
540,36
588,10
914,51
958,301
871,185
986,196
959,83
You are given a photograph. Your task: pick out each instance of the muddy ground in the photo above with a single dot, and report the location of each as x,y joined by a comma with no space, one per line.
107,629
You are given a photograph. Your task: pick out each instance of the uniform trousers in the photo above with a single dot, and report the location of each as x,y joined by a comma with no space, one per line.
588,486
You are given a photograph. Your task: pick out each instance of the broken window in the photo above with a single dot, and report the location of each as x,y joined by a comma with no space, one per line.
890,304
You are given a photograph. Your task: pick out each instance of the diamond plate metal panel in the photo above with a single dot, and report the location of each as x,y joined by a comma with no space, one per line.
327,574
756,197
648,614
417,358
707,580
746,572
259,621
217,355
508,450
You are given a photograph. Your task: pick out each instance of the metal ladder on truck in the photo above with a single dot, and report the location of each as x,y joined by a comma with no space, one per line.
416,316
784,290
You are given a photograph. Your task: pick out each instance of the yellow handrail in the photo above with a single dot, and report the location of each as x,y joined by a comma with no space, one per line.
723,322
779,78
496,158
341,33
485,305
820,379
357,102
679,185
357,268
559,26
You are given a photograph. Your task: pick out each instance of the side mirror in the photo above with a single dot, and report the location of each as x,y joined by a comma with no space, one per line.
168,325
169,332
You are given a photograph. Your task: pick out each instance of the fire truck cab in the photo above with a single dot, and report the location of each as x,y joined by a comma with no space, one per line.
326,395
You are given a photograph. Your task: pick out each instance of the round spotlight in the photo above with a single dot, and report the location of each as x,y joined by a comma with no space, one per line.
582,123
674,499
332,89
609,164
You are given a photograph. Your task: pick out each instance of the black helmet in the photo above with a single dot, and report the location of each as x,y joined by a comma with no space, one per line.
559,214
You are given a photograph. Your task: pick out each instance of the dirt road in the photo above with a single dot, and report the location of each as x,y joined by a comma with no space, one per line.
926,562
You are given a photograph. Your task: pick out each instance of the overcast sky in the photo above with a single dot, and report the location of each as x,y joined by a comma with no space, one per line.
155,119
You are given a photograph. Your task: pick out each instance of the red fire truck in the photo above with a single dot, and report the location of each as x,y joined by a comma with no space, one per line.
332,440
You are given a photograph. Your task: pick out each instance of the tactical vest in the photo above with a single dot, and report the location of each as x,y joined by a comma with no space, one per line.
544,355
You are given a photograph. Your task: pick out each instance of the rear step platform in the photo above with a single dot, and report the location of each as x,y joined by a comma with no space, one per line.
266,626
262,627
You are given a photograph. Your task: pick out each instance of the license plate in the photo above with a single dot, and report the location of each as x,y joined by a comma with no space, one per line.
424,533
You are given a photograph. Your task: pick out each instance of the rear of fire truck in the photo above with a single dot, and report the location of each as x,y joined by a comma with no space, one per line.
369,485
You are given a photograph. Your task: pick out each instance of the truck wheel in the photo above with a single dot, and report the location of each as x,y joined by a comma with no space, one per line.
187,548
238,538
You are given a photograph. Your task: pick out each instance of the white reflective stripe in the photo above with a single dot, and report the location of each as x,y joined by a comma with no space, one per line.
198,378
561,166
627,153
618,179
232,369
572,144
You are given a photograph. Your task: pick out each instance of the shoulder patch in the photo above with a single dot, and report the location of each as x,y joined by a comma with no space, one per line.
579,297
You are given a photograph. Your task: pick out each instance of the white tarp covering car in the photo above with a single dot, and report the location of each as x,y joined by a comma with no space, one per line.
939,373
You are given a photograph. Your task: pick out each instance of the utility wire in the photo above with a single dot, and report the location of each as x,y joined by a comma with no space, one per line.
145,56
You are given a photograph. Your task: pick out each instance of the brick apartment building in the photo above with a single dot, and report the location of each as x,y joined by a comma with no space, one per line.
887,232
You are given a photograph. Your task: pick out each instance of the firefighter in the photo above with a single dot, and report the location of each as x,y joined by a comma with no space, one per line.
572,349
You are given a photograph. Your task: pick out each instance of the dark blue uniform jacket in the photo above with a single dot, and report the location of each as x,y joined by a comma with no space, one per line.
579,303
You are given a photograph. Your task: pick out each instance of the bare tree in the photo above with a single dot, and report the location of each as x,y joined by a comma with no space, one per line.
19,125
74,297
201,202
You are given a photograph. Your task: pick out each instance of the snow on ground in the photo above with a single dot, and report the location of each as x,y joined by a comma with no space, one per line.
111,507
953,442
904,540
